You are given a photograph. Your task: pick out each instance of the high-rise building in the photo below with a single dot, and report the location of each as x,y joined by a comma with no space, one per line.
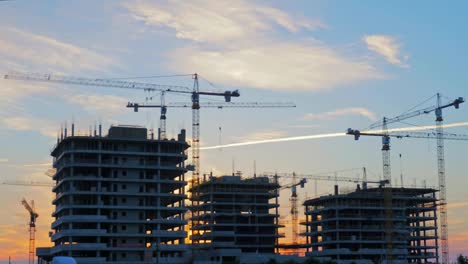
373,225
234,216
119,198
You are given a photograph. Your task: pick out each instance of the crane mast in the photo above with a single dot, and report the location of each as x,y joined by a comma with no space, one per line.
294,211
162,118
387,172
387,193
195,147
32,228
196,129
442,183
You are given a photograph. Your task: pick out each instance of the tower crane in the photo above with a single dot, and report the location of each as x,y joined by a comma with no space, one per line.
195,95
385,121
195,100
196,135
401,135
440,136
294,212
32,227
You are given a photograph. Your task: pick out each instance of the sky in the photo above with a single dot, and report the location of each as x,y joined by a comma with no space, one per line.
345,64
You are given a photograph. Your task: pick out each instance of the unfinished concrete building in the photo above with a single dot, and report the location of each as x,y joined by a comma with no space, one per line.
360,227
119,198
233,216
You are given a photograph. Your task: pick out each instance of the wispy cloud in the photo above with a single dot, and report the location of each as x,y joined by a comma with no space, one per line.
243,43
13,92
51,54
261,135
102,104
302,126
388,47
294,66
3,160
216,21
27,51
26,123
342,112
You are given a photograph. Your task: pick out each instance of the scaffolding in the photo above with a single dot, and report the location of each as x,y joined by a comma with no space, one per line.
354,227
235,215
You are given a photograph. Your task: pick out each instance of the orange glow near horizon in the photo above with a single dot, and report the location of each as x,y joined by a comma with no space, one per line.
14,238
14,241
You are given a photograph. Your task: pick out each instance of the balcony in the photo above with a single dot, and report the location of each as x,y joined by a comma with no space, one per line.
165,211
78,232
142,246
154,233
78,218
60,164
118,151
78,246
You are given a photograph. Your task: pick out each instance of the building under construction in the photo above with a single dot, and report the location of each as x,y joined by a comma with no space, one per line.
119,198
373,225
233,216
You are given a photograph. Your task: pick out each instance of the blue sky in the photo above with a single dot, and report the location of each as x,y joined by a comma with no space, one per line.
344,64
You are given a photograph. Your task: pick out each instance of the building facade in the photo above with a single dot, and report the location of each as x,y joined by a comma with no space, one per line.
233,216
362,227
119,198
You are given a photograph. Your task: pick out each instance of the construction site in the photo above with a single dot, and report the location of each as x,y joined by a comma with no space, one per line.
131,196
233,132
357,226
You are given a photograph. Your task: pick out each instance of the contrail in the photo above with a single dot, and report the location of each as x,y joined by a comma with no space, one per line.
461,124
275,140
329,135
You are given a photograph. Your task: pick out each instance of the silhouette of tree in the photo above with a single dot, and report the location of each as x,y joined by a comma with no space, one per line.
462,259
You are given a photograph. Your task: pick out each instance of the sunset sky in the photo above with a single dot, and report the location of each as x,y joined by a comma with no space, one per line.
343,63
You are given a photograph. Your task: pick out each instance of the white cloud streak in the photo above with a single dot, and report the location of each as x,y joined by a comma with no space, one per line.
262,135
102,104
242,43
329,135
50,54
24,123
213,21
388,47
342,112
276,66
24,51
